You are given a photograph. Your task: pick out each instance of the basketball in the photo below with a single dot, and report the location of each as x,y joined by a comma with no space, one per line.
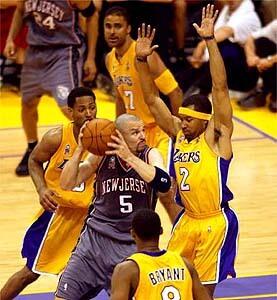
96,134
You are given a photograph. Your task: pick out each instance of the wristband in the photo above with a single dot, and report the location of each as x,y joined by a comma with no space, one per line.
210,37
141,59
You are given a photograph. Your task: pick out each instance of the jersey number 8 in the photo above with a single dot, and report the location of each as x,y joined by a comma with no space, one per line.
170,293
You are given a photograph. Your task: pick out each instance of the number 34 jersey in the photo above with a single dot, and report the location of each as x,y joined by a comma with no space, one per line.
119,192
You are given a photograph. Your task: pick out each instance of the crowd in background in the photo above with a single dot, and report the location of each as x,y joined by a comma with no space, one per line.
245,29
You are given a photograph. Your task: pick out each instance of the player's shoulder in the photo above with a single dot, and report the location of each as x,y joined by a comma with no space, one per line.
127,268
53,136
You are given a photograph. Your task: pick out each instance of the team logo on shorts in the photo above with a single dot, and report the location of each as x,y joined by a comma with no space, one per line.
67,149
62,92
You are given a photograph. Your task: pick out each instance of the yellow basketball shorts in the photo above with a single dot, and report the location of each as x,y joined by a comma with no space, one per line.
209,243
49,241
157,138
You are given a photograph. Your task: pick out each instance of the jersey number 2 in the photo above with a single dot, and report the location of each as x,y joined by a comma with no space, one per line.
185,174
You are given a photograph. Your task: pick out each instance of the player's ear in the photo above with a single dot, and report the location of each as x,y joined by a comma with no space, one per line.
129,28
161,231
70,111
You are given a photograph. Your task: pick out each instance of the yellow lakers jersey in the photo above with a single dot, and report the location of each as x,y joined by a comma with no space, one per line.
162,275
127,82
201,176
81,195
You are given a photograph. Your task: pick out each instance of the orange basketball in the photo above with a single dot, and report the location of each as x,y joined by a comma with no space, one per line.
97,134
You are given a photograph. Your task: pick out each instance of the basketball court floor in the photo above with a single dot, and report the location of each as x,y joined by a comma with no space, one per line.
252,178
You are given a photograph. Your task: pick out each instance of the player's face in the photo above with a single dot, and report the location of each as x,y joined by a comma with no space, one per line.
84,110
134,136
192,127
116,30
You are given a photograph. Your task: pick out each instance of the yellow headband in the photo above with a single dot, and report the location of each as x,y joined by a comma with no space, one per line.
195,114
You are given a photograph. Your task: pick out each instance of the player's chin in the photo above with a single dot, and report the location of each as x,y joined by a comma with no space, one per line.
141,146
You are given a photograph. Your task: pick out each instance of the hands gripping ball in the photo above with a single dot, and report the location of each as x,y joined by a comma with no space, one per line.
96,134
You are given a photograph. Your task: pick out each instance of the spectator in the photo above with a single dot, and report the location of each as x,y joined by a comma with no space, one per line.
236,21
260,51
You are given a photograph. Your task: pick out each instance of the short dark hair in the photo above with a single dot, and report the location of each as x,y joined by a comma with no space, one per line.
200,102
146,224
118,11
79,92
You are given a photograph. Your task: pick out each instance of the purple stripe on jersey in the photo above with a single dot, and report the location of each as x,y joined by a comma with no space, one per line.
171,162
34,237
229,250
227,195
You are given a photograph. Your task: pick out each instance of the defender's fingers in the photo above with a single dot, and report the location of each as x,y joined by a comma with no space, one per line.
196,26
139,33
152,34
148,31
203,13
215,15
154,47
143,30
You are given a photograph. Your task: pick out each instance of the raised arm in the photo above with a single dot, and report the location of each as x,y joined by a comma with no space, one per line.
161,113
220,95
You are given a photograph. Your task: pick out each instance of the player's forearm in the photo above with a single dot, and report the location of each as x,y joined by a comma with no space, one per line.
176,99
16,24
217,68
69,175
92,34
150,91
37,174
146,171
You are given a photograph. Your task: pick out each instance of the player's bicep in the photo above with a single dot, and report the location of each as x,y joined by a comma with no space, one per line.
155,159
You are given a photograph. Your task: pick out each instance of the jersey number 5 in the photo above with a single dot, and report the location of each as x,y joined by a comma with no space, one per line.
126,206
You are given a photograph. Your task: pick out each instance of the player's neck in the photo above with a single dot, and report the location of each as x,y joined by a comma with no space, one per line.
124,48
148,247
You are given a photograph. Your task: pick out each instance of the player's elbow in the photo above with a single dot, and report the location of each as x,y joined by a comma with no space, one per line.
161,181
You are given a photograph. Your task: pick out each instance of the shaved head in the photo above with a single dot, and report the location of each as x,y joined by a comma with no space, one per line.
122,120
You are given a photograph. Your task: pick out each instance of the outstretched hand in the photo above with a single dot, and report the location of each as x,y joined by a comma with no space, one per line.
144,41
206,28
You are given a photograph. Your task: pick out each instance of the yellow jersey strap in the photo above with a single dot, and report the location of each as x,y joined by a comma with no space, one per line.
184,111
166,83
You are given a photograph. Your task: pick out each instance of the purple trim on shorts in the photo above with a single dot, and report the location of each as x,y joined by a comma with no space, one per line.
33,238
229,250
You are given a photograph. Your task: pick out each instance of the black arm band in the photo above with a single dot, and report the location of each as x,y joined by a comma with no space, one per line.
89,11
161,181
